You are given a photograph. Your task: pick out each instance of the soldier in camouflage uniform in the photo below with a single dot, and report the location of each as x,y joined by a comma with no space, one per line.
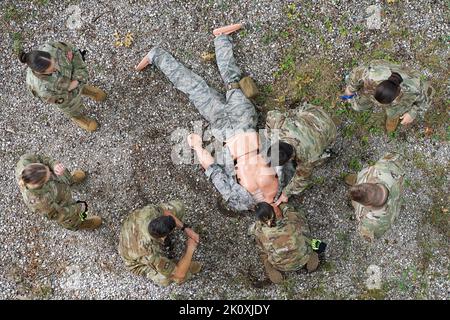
377,195
285,244
311,132
46,189
406,97
142,236
57,74
233,121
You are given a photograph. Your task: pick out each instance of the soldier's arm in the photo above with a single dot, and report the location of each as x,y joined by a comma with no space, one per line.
80,71
355,81
419,107
300,181
182,267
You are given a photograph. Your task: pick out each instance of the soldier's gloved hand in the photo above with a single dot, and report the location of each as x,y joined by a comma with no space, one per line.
58,169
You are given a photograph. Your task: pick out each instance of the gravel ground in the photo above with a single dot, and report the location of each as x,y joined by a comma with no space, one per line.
129,164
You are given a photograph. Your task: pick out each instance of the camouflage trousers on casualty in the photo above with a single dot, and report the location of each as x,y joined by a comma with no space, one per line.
227,114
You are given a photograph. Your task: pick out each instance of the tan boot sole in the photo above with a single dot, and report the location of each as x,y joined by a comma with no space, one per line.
94,93
313,262
392,124
86,124
78,176
350,179
91,223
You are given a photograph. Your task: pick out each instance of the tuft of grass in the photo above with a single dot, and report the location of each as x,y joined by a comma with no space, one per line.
17,42
355,165
11,13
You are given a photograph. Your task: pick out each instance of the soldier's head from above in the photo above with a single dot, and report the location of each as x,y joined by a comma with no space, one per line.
369,194
161,227
39,61
389,89
35,175
265,214
280,153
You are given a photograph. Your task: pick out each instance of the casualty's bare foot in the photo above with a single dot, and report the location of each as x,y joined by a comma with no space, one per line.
227,29
144,62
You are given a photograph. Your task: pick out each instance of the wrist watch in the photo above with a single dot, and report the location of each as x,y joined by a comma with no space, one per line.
185,225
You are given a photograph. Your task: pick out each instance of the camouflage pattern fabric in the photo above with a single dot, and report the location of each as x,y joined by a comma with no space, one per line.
310,130
415,96
228,115
141,252
388,171
236,196
53,88
54,199
287,244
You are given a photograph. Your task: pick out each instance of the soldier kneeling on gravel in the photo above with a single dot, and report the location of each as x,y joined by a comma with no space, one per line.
58,75
46,189
285,244
143,234
376,195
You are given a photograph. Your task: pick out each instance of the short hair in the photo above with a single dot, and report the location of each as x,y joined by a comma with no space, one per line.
161,226
34,173
264,211
285,152
388,90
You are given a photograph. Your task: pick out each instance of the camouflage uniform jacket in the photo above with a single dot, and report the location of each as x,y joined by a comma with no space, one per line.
288,243
387,171
53,88
54,198
141,252
310,130
415,93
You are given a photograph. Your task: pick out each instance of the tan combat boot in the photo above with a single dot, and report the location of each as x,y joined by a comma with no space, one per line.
195,267
94,93
274,275
391,124
86,123
93,222
313,262
78,176
350,179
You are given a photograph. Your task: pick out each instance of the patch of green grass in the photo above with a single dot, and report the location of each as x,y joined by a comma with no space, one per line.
41,2
438,215
288,288
287,65
355,165
11,13
17,42
319,181
316,80
343,31
292,12
329,266
328,24
243,33
357,45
